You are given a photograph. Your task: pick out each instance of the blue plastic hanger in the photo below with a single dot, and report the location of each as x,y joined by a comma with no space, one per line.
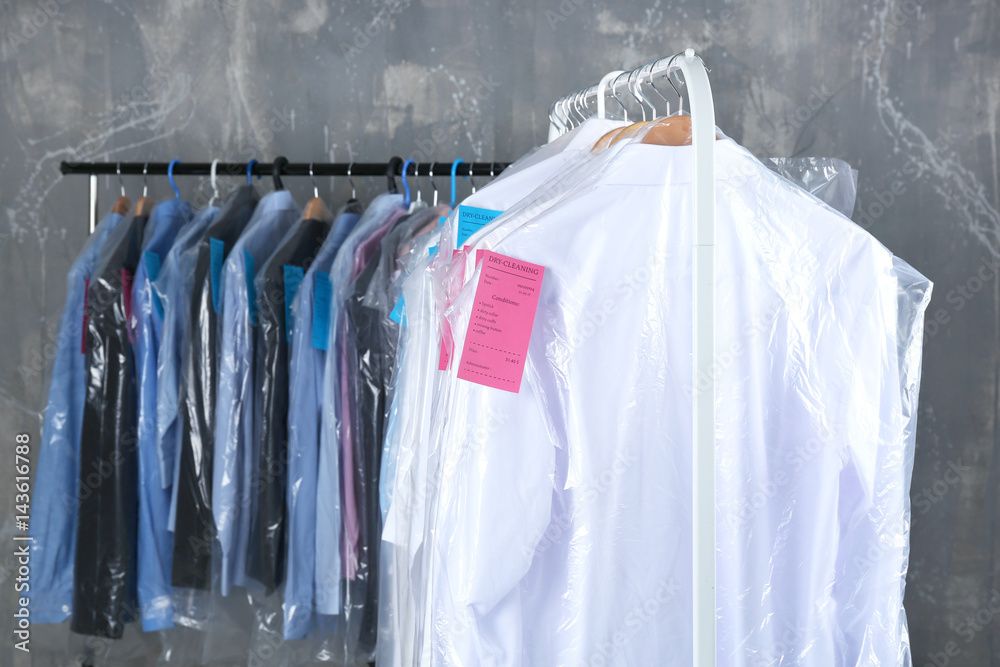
454,169
406,186
170,177
250,165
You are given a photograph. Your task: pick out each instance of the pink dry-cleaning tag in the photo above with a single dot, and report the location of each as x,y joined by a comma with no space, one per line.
504,311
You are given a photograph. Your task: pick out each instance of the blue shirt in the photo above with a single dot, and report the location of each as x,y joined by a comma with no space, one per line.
328,522
306,363
234,455
155,543
53,508
173,289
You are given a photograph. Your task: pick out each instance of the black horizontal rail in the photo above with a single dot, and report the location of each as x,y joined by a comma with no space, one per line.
442,169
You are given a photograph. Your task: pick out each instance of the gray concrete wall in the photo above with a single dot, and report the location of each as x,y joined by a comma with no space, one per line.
907,92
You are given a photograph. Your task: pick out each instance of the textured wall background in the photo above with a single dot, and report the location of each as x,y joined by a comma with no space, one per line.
907,92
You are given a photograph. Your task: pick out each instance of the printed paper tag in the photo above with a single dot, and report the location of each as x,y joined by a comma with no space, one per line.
293,278
321,310
83,338
251,269
398,314
500,326
152,271
218,249
471,219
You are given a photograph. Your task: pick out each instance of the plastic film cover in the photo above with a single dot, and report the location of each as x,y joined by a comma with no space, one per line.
194,525
104,575
572,509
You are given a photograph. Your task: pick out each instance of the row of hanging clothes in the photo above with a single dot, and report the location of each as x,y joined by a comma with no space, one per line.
459,434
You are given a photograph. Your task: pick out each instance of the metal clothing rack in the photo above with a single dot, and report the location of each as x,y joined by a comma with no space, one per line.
702,106
390,169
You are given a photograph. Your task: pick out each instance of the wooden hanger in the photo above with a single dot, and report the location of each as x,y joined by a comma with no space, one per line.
672,131
145,205
123,203
317,209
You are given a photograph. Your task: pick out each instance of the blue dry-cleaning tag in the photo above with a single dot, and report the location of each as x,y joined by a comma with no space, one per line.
152,271
251,267
293,278
471,219
398,314
218,257
321,310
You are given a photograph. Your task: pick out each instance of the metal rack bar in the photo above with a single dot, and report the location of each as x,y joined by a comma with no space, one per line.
289,169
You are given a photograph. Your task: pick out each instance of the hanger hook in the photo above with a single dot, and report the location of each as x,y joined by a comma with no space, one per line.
454,170
250,165
390,172
215,185
472,180
680,98
652,66
279,162
433,184
170,178
631,91
312,177
416,181
354,190
118,170
614,94
145,183
406,186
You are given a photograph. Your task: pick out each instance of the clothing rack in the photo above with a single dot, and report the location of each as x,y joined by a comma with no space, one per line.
390,169
702,108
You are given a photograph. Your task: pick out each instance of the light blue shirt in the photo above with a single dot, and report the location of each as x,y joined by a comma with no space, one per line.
328,523
173,288
234,452
155,543
306,364
53,506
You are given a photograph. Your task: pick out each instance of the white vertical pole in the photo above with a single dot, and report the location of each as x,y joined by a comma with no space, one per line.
703,483
93,202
